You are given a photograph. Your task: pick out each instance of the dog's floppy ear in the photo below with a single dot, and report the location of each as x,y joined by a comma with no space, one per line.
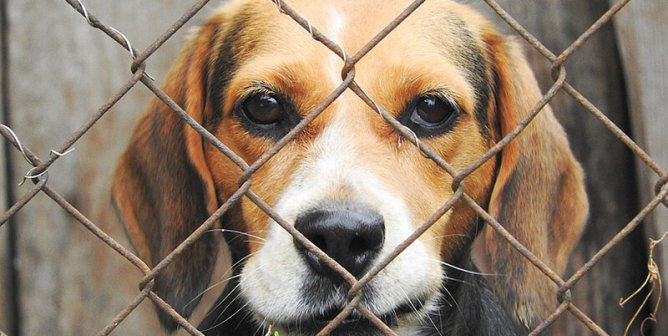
538,195
162,187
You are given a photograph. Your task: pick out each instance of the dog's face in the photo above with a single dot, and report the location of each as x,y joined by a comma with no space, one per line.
349,182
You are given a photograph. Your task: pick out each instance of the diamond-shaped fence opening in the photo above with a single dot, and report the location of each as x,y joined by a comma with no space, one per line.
39,174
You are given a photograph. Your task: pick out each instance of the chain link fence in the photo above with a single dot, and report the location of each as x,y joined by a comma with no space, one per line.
39,176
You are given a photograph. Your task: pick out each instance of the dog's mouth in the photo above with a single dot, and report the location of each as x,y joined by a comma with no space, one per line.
354,324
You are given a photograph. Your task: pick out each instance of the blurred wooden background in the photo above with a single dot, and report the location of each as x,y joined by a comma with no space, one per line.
58,279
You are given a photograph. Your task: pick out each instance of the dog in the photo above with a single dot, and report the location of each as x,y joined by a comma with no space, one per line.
349,181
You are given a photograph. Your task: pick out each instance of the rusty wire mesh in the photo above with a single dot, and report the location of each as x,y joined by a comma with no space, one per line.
39,173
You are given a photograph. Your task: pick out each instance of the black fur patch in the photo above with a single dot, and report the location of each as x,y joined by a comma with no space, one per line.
469,55
225,65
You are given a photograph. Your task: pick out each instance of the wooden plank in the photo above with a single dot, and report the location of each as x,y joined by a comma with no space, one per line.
5,311
5,303
62,70
594,70
642,30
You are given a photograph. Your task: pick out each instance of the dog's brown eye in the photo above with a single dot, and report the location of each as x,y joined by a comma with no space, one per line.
265,112
263,109
432,112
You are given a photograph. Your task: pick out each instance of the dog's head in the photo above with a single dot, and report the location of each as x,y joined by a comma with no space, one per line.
349,181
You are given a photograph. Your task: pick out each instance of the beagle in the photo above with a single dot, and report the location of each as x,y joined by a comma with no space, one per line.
347,182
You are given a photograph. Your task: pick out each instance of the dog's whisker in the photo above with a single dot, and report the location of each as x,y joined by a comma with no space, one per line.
440,297
224,279
237,232
222,313
445,300
447,278
431,321
445,263
233,267
263,328
231,316
247,316
236,288
446,236
417,310
240,262
454,301
408,299
394,313
214,285
232,291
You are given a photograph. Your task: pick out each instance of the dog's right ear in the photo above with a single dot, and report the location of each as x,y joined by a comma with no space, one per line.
162,187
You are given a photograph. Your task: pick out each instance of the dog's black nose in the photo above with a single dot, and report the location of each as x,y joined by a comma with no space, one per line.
350,235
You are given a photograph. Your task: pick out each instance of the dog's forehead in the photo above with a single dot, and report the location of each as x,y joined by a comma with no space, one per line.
351,24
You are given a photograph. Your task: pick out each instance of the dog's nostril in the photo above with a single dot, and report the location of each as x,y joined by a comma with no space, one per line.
358,245
351,236
362,244
319,241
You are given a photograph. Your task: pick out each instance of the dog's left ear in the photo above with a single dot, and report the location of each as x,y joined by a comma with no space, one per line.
538,196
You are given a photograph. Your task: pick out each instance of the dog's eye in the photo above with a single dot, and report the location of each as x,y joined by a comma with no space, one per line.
432,112
265,112
263,109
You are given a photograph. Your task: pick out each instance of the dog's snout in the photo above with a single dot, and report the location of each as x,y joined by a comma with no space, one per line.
352,237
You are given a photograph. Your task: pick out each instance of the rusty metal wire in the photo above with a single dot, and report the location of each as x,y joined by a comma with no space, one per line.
38,174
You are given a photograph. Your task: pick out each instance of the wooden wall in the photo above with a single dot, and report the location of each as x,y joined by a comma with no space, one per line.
5,302
61,70
641,30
